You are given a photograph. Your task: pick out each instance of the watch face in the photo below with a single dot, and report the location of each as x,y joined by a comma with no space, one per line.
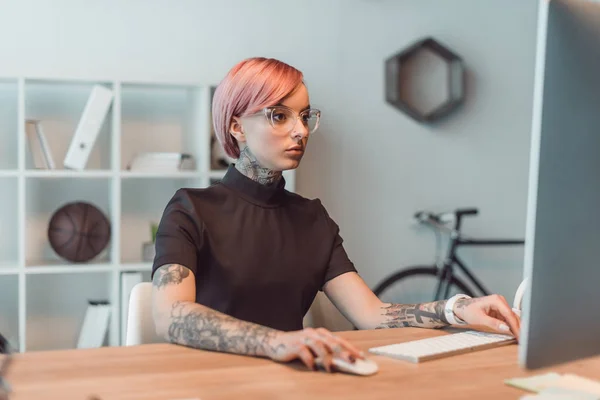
449,309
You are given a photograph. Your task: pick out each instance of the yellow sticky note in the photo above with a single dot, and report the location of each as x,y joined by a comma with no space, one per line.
534,383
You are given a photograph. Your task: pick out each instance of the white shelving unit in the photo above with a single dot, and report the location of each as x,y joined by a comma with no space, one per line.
43,298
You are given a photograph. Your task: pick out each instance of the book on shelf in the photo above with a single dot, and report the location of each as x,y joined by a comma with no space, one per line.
39,149
95,324
88,127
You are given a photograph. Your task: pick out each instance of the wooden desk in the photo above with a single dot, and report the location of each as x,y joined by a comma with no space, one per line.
164,371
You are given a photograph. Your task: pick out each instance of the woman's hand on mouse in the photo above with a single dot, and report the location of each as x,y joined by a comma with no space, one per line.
310,344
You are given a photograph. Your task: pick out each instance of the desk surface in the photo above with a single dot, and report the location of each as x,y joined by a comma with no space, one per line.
164,371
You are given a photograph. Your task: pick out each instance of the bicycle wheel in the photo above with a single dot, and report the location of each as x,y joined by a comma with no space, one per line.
416,285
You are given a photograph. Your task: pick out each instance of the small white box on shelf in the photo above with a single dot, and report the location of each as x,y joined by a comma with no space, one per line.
88,128
162,162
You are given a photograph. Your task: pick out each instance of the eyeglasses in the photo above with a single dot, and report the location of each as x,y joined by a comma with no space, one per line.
284,119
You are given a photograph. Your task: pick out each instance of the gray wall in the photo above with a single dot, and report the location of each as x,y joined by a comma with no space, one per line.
385,166
371,165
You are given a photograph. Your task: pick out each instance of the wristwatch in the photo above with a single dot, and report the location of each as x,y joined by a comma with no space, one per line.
449,310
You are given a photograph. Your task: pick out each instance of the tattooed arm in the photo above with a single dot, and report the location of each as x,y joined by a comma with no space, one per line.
355,300
179,319
424,315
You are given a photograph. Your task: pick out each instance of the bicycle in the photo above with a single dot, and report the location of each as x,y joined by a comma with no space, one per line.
443,278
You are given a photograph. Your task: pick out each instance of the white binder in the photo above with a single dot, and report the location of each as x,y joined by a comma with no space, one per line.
95,325
88,128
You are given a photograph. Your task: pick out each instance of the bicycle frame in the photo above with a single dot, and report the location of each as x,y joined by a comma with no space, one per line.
452,259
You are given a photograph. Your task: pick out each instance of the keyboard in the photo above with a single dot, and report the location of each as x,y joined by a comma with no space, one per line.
443,346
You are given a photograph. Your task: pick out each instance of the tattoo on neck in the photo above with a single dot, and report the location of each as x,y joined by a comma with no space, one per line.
248,165
210,330
425,315
170,274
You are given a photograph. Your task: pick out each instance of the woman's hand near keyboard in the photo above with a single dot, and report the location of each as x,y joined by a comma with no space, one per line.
492,312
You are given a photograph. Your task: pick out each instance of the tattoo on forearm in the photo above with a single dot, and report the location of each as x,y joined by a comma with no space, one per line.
464,303
211,330
425,315
170,274
248,165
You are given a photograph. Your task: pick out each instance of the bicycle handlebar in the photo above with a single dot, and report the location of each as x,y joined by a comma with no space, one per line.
442,218
466,211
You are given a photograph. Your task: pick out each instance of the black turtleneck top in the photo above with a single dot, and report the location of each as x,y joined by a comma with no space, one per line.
258,252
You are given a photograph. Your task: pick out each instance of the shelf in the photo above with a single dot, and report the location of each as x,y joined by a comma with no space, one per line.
9,309
8,173
43,296
152,113
67,173
9,105
45,196
54,320
137,216
9,222
135,267
58,105
155,175
8,271
54,267
425,80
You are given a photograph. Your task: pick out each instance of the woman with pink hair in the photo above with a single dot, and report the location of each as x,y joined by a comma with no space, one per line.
238,264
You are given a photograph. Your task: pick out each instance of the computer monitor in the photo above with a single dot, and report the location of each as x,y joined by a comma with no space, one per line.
561,305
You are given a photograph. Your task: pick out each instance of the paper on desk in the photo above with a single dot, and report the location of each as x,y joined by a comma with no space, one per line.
575,382
535,383
553,393
553,385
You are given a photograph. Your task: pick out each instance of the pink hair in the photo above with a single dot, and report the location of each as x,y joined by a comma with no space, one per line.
250,86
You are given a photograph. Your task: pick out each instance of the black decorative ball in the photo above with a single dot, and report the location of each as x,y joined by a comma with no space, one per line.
78,231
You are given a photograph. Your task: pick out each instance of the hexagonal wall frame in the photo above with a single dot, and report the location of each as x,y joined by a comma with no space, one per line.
400,77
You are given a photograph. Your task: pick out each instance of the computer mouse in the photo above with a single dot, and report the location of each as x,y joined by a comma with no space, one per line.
359,367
